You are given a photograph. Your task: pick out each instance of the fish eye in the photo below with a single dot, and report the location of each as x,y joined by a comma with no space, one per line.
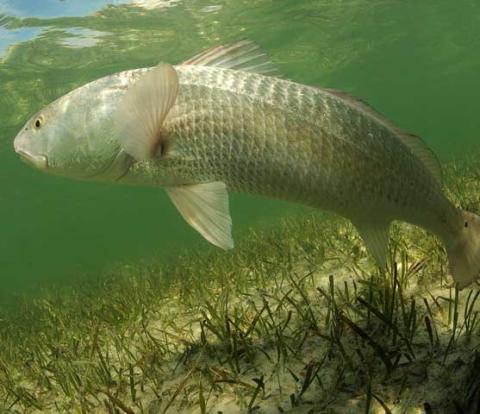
38,122
466,224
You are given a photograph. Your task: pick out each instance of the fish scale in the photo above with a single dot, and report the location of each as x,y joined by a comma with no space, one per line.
240,124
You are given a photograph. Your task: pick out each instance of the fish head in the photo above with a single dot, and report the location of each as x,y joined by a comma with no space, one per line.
31,142
72,136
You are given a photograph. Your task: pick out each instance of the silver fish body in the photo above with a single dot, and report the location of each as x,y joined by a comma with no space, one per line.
213,124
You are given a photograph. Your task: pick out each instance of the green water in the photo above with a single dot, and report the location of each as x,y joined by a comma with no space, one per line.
417,62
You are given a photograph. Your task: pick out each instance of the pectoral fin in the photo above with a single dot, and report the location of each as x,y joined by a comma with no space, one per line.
375,234
205,207
143,109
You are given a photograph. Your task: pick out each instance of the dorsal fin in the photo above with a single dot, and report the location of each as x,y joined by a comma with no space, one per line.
413,142
244,55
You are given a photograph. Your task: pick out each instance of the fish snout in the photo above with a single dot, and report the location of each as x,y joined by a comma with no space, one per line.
21,148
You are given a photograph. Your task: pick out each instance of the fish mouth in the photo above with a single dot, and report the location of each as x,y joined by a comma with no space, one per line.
38,161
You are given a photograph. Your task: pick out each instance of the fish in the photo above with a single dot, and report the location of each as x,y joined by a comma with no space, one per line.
224,121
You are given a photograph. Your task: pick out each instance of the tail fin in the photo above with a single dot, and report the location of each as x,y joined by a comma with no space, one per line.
464,251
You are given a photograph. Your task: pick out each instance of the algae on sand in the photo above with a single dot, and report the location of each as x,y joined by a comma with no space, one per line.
297,319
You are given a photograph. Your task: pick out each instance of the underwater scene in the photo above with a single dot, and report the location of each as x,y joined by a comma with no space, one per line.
225,206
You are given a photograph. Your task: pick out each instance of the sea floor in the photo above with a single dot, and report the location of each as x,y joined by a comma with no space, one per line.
296,319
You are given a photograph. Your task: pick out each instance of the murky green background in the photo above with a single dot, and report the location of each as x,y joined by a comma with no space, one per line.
417,62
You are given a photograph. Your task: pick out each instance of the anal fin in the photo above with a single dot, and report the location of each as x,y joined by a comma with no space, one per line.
375,234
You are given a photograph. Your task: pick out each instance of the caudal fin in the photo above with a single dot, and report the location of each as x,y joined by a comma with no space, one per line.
464,251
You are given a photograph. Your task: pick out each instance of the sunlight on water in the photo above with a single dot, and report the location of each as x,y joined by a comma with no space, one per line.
81,37
50,8
9,37
152,4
